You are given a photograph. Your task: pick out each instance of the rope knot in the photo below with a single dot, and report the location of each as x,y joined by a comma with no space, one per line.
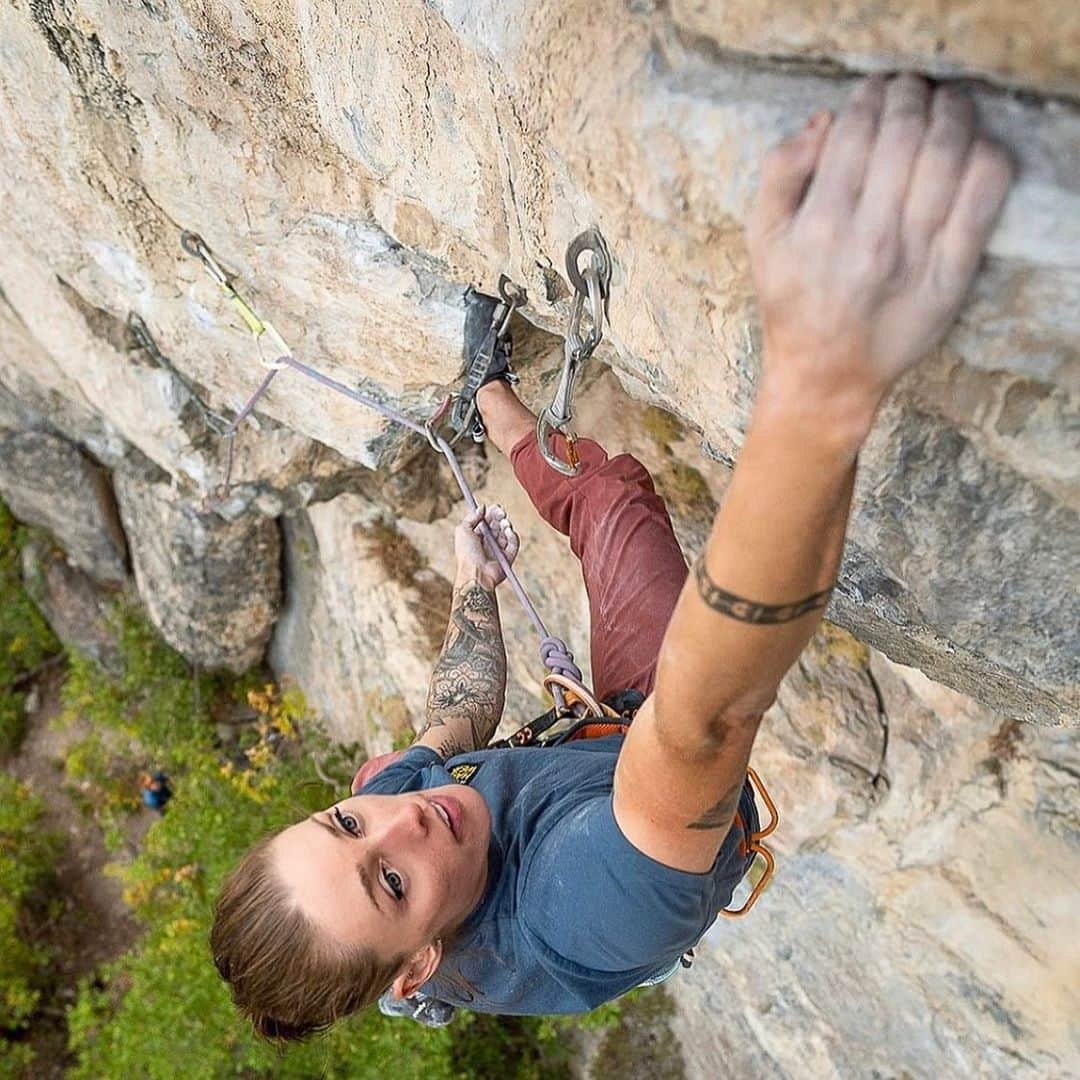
558,658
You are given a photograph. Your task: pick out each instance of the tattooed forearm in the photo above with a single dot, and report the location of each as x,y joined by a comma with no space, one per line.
737,607
451,747
720,816
468,686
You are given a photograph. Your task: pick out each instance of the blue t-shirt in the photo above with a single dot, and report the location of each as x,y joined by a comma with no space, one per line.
573,914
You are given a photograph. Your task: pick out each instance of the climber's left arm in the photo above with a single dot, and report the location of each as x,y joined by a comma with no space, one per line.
468,687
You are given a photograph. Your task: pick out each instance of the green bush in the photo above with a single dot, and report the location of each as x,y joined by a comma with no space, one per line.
27,857
161,1011
25,638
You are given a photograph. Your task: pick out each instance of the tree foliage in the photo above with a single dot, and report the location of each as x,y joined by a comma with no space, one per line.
28,854
160,1010
25,638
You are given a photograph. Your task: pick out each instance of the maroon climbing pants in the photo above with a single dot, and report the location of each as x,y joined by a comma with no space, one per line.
631,562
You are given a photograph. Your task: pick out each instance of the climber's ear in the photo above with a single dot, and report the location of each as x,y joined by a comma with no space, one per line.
416,971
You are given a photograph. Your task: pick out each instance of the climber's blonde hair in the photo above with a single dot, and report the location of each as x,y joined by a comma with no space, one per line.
285,975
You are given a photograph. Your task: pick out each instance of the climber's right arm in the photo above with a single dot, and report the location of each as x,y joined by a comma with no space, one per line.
864,239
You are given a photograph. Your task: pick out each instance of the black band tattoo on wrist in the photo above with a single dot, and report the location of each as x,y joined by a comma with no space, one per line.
749,611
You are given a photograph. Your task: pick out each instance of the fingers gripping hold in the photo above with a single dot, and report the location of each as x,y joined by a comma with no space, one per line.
939,166
861,274
839,176
983,186
900,134
786,172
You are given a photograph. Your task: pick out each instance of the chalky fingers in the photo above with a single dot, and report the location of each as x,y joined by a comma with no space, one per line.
939,167
899,138
981,194
839,177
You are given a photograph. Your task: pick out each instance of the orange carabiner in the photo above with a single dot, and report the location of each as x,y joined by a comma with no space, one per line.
755,845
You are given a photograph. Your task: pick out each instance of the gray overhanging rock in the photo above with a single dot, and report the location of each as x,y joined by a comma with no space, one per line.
212,587
949,538
76,607
46,481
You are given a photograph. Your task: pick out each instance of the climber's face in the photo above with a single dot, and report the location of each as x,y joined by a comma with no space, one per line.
394,872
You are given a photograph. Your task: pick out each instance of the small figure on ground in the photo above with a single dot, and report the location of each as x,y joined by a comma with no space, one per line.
155,790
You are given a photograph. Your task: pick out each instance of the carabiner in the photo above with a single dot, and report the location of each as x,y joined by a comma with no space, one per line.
591,284
431,426
280,349
195,245
592,241
546,426
512,295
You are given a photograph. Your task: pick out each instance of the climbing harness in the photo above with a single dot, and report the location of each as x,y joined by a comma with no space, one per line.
617,713
591,283
275,355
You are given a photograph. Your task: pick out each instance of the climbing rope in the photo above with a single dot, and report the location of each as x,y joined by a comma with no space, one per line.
554,654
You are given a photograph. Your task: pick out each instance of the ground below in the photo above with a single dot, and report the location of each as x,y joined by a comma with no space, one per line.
88,922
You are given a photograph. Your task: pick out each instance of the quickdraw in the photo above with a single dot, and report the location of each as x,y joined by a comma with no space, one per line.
591,283
275,355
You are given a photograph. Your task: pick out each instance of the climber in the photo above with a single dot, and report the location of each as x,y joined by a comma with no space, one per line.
549,881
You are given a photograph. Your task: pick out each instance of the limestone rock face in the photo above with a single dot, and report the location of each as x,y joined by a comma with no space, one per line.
45,481
212,587
356,166
1034,45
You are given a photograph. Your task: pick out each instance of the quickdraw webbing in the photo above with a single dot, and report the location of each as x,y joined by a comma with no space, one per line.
555,655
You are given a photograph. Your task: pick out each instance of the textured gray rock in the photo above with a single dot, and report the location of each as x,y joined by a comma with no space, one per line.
76,607
355,166
284,138
899,937
46,481
212,587
956,538
363,624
